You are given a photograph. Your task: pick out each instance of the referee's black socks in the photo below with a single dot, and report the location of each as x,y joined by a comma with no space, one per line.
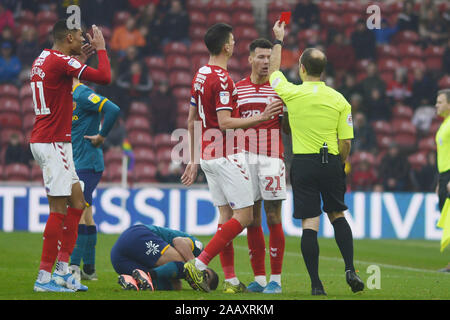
310,251
344,239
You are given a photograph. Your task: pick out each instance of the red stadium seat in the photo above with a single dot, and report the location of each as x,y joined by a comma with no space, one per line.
17,172
219,5
198,61
403,126
9,91
27,16
234,65
5,135
113,156
193,5
27,105
405,36
144,155
197,32
113,172
384,141
140,139
175,48
413,63
218,16
405,140
357,157
331,20
409,50
236,76
163,140
198,17
137,123
417,160
402,112
434,51
304,35
242,6
433,63
44,30
245,33
36,174
164,154
25,91
349,19
279,6
182,121
197,47
159,76
10,120
178,62
144,173
28,121
180,79
242,48
387,51
239,19
182,93
46,16
155,63
10,105
427,144
387,76
138,108
329,6
444,82
382,127
361,65
354,7
388,65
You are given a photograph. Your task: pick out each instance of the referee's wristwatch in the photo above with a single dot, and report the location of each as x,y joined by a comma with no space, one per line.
278,42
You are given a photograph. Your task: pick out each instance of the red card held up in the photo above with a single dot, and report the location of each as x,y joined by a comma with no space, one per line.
286,17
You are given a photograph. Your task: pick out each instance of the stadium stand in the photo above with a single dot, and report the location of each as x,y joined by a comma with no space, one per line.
175,62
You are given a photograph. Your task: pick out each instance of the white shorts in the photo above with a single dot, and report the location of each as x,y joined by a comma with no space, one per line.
229,181
268,176
58,169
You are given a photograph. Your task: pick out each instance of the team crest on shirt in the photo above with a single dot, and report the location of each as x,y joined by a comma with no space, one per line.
94,98
224,97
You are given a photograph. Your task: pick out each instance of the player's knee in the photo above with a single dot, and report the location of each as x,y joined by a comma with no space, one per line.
335,215
273,212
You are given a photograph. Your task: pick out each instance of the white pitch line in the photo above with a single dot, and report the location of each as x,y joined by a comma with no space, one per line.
383,265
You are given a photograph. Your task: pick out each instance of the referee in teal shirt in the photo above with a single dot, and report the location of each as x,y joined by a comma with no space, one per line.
87,137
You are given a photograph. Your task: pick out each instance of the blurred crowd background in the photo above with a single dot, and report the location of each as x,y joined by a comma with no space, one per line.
389,75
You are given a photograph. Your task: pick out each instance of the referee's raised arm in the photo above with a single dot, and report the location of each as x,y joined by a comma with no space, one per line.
321,126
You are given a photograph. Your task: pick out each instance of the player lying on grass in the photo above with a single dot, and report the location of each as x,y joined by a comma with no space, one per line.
148,257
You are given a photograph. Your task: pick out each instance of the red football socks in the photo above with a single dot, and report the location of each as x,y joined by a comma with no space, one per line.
226,233
69,233
227,259
257,249
52,236
276,244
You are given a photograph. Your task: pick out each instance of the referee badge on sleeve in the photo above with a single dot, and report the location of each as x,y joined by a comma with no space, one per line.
350,120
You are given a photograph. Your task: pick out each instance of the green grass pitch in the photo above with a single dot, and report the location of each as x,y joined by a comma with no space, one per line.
407,271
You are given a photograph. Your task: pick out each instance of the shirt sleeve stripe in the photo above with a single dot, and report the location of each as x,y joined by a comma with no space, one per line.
73,89
224,108
82,69
101,105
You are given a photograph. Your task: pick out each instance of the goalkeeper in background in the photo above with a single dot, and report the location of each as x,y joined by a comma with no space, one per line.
87,138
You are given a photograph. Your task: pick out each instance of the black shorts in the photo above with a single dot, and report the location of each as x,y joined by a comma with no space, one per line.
443,194
311,180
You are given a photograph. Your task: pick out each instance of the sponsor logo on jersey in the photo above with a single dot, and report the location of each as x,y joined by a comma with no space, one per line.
94,98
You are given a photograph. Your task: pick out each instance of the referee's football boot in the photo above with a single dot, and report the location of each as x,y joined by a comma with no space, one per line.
230,288
196,278
354,281
272,287
143,280
127,282
68,280
255,287
318,291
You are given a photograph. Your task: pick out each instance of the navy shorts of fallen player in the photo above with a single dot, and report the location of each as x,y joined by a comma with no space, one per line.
137,248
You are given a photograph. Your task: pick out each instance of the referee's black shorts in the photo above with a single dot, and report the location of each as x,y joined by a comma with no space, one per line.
311,180
443,193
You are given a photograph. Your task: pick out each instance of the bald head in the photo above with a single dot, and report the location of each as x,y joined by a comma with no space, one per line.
314,61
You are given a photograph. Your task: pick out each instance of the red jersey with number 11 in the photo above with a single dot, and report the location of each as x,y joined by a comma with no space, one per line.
213,90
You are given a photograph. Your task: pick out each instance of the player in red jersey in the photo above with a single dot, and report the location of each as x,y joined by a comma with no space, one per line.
264,154
214,97
51,80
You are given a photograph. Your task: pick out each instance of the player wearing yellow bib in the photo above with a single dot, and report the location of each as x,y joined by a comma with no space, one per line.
443,150
321,127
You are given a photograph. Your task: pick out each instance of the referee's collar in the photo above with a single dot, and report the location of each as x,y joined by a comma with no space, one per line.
313,82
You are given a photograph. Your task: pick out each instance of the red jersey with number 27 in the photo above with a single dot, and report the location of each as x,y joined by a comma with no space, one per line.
213,90
51,80
252,100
